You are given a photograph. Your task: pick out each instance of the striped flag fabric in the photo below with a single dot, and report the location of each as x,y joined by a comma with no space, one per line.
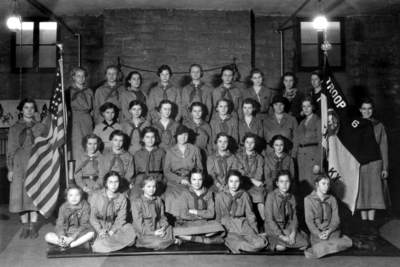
43,173
348,141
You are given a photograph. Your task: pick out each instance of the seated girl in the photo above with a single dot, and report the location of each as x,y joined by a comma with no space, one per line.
133,126
117,160
281,223
276,161
220,163
150,223
251,165
197,212
234,211
149,160
323,221
223,121
179,160
87,170
165,126
72,226
103,130
108,216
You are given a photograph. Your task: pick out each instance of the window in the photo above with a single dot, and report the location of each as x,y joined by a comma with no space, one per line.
311,56
38,54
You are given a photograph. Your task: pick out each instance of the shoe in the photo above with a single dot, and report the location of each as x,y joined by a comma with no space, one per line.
25,231
363,246
33,230
53,248
364,229
86,245
373,230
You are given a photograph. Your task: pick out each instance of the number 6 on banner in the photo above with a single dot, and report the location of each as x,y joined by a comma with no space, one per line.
355,123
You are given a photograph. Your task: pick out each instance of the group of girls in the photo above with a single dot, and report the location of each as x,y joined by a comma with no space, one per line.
241,142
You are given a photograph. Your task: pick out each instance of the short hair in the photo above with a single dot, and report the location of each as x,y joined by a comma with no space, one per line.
137,103
256,71
150,129
234,173
311,100
195,170
251,135
117,133
196,104
318,73
285,173
111,67
291,74
197,65
230,104
111,174
22,103
366,100
147,178
227,68
129,77
86,138
162,102
321,176
277,137
76,69
70,187
254,103
222,134
162,68
109,105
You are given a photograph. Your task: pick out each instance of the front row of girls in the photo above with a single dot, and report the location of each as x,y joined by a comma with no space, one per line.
204,217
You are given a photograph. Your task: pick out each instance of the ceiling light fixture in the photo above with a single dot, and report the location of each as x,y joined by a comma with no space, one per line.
320,21
14,22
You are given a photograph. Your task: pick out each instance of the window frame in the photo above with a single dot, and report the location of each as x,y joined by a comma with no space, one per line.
342,43
15,48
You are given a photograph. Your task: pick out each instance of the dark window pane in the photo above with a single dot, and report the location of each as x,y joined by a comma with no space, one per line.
333,32
27,33
47,32
335,56
27,56
309,55
47,57
308,33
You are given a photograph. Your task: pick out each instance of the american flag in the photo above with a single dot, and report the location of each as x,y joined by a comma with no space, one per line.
43,174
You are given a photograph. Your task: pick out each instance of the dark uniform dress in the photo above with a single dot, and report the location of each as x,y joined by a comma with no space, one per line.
236,214
148,216
110,215
196,224
21,138
321,216
176,168
281,219
252,167
295,106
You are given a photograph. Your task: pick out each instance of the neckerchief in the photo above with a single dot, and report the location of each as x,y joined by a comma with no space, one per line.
136,128
165,88
73,215
227,93
196,90
27,131
139,95
278,165
94,161
320,210
109,125
285,208
197,198
112,91
109,202
150,166
222,162
155,209
291,95
78,92
167,131
233,201
117,157
224,124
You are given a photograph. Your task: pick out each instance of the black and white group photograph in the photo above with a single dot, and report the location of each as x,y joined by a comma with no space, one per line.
199,133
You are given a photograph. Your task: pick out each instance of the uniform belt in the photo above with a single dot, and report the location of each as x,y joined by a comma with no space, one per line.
91,177
101,218
151,172
309,144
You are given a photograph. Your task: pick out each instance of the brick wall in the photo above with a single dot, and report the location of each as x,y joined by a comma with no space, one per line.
150,38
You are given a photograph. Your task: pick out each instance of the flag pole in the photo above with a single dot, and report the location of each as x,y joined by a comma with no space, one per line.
60,61
325,47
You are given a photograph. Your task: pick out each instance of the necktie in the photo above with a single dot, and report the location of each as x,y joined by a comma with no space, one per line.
285,209
196,90
197,198
150,163
25,132
108,125
112,92
320,210
94,161
116,157
74,216
165,95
